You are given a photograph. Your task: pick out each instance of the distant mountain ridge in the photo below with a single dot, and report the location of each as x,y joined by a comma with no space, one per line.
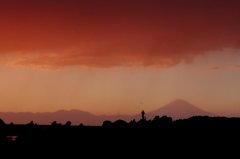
61,116
178,109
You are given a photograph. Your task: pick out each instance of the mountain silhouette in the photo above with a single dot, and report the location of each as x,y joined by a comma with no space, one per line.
76,117
179,109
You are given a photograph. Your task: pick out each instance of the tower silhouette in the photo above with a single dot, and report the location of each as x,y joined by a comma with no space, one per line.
143,115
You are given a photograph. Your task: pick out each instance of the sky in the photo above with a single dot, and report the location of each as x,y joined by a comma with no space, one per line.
119,56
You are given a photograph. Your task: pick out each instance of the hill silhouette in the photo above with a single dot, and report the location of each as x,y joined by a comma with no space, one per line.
137,134
178,109
201,135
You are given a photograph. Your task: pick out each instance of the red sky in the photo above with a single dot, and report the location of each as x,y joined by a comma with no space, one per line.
111,52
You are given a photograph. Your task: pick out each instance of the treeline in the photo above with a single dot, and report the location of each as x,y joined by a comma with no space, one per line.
197,129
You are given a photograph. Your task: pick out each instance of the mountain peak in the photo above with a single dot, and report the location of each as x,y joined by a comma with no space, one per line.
178,101
180,109
181,104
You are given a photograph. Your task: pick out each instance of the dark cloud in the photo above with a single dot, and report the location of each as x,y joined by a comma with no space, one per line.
106,33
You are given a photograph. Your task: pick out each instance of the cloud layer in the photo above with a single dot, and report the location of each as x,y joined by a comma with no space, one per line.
103,34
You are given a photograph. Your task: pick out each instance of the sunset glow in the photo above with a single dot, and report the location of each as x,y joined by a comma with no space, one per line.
119,56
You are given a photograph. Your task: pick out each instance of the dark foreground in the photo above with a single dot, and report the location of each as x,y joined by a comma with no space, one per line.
199,134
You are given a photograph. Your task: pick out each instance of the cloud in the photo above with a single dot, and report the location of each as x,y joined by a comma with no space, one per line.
214,68
236,67
104,34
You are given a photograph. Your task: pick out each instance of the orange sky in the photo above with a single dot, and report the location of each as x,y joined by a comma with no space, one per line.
109,57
